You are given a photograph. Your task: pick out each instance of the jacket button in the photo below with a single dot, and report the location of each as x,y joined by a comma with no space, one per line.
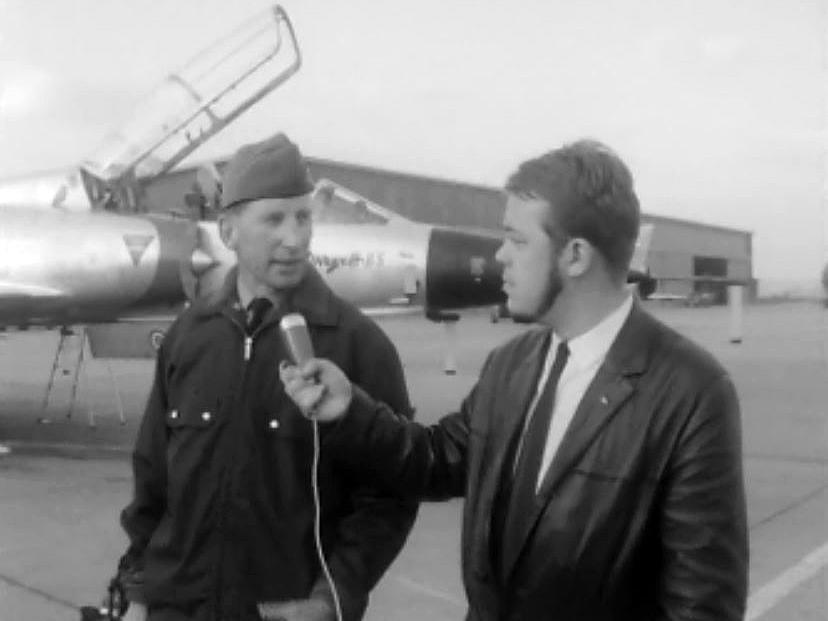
205,416
273,424
174,414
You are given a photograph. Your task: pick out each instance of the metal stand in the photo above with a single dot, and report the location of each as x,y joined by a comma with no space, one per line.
65,333
118,400
450,336
77,367
734,301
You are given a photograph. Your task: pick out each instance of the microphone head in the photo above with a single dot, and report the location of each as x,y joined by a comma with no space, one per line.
296,339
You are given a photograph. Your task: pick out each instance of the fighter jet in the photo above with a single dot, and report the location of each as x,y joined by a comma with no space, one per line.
83,249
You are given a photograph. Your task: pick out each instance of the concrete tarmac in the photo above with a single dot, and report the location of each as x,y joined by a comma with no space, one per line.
64,481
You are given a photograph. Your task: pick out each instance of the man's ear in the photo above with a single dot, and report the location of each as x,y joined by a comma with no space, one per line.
227,230
578,257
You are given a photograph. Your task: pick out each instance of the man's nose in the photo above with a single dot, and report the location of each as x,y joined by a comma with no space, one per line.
500,255
293,235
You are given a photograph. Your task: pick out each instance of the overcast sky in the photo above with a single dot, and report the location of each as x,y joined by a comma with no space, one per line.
718,106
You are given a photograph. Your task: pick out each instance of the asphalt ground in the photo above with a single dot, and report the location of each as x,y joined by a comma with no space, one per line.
65,481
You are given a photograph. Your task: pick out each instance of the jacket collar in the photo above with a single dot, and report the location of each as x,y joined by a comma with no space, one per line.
630,353
312,298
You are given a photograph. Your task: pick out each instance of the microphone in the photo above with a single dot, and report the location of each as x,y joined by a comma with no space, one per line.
294,331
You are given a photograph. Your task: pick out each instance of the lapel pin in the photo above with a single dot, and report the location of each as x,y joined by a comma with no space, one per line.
604,400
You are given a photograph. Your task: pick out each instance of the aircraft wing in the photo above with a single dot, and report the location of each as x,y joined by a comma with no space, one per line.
133,338
335,204
380,312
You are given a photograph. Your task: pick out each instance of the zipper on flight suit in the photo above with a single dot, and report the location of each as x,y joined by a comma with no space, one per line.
225,484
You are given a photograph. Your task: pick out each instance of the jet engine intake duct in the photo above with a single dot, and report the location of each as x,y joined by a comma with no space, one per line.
461,271
177,241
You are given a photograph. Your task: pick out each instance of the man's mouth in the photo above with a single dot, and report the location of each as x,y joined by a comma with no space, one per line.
287,262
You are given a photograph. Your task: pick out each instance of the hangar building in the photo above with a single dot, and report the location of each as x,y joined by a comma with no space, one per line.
688,259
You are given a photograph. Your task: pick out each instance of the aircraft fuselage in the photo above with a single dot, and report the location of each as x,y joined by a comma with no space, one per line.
60,268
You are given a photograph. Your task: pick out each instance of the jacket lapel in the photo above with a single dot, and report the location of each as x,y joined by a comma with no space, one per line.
511,407
506,414
609,390
606,394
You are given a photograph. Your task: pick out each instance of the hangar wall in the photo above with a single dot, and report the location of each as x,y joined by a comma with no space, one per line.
690,257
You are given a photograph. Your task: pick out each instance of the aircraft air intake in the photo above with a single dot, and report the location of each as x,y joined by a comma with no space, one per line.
461,270
176,240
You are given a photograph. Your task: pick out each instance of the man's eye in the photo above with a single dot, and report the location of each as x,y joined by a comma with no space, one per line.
303,217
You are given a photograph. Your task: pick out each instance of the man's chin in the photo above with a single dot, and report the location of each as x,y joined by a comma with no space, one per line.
281,278
524,318
521,315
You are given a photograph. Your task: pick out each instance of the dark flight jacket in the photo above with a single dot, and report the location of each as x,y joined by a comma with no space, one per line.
223,512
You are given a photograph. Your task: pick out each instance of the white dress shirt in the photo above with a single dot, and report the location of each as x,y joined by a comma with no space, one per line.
587,353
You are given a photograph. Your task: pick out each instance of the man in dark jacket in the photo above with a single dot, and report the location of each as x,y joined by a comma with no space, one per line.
599,454
222,520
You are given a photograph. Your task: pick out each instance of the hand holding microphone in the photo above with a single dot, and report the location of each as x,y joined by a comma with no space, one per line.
318,387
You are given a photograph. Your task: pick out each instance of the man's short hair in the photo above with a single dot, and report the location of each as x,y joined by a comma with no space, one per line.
591,193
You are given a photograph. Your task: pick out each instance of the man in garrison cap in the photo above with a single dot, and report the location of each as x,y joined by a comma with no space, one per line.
221,524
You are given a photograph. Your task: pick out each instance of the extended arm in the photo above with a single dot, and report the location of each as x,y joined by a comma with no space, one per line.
372,533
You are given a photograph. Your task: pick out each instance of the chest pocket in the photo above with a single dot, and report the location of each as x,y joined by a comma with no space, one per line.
192,433
191,417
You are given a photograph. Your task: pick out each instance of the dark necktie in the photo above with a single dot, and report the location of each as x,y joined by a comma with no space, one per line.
256,311
517,496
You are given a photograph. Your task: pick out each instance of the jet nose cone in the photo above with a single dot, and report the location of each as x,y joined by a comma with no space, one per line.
461,270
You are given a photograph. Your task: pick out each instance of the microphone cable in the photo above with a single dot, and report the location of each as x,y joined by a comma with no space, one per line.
317,520
295,337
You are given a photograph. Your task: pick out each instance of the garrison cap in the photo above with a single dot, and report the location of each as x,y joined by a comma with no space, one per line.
272,168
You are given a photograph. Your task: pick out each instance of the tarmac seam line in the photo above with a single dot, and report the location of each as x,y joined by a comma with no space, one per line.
38,592
794,505
770,594
70,449
810,461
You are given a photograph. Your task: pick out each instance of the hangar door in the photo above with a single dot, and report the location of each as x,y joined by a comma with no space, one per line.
709,273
